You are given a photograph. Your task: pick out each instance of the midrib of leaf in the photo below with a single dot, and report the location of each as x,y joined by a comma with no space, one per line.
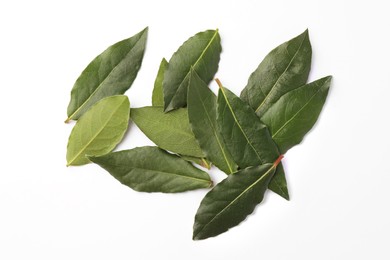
94,136
239,196
215,134
239,125
101,83
169,173
288,66
296,114
199,58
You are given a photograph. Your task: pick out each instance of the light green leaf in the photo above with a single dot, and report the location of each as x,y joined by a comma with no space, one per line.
246,137
285,68
99,130
202,52
232,200
157,96
151,169
202,113
170,131
295,113
110,73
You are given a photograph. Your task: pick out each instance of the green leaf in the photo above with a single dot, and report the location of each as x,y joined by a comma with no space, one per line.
285,68
157,96
99,130
232,200
278,183
202,52
246,137
200,161
295,113
110,73
170,131
202,113
151,169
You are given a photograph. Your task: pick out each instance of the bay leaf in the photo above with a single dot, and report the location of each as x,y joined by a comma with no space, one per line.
98,130
169,131
296,112
110,73
150,169
202,52
278,183
202,114
246,137
232,200
157,96
200,161
285,68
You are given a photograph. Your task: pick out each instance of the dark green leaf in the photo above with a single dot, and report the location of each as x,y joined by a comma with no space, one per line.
278,183
246,137
151,169
295,113
110,73
231,201
201,52
285,68
170,131
157,96
202,113
99,130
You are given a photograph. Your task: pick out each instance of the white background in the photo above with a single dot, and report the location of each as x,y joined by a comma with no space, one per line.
338,178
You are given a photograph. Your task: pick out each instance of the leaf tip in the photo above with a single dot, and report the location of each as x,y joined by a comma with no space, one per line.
67,120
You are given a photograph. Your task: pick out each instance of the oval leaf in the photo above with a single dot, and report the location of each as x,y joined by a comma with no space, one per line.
247,139
99,130
110,73
202,114
285,68
170,131
151,169
231,201
202,52
295,113
157,96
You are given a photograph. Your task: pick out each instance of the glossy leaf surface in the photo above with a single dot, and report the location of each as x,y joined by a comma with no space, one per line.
170,131
151,169
231,201
99,130
285,68
110,73
202,113
157,96
295,113
202,52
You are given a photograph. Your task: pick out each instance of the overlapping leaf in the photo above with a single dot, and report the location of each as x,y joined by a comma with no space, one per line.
246,137
285,68
110,73
151,169
232,200
202,52
202,113
170,131
295,113
157,96
99,130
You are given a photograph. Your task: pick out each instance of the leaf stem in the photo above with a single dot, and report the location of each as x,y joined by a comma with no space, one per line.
219,83
276,163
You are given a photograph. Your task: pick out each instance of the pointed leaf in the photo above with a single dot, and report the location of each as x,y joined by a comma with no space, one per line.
151,169
202,113
278,183
295,113
200,161
157,96
201,52
99,130
110,73
169,131
246,137
231,201
285,68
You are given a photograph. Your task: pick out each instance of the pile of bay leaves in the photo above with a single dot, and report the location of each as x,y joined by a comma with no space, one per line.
245,137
